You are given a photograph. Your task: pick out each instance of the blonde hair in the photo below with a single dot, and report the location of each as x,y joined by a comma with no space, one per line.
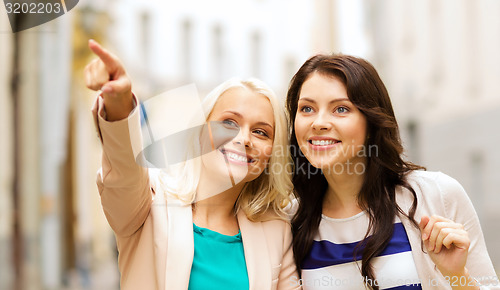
268,192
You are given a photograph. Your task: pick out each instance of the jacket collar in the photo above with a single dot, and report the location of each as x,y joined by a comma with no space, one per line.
256,252
180,246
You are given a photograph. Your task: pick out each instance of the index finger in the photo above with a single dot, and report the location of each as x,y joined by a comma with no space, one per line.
423,223
107,58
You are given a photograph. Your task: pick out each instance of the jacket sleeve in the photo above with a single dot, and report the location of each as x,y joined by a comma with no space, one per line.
459,208
122,183
288,277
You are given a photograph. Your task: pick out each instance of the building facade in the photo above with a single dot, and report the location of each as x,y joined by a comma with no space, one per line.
439,62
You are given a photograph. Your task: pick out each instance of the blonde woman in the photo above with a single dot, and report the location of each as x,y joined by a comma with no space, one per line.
202,234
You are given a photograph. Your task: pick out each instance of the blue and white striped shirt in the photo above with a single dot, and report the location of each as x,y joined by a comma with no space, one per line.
330,263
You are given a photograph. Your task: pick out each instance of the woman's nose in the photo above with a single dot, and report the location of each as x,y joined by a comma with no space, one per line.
322,122
243,138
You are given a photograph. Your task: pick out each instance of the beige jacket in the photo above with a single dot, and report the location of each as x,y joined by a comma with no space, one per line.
439,194
155,237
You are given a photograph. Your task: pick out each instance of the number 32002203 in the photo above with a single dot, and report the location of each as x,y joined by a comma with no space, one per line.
33,8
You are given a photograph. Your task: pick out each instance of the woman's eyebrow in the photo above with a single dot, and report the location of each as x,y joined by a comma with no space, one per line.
332,101
265,124
234,113
262,123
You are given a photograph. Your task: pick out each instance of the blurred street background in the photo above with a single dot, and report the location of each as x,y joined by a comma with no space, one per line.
438,58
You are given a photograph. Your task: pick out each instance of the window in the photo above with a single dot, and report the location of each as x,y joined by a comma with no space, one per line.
256,56
186,44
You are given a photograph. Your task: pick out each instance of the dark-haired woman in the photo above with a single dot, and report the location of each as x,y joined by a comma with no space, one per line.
365,218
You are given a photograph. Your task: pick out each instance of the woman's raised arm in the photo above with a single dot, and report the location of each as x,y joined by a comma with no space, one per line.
123,184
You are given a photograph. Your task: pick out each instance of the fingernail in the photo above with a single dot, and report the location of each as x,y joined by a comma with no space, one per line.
424,236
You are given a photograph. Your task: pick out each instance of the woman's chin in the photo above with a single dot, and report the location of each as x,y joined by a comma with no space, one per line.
320,164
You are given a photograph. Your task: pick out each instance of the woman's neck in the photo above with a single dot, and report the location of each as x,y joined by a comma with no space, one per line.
341,198
214,207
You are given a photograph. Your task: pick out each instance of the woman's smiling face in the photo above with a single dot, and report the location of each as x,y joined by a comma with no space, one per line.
246,156
329,129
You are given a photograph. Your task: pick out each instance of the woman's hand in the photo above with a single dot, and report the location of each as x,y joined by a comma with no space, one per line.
447,243
108,75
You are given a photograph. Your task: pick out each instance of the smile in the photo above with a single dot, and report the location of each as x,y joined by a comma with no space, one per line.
322,144
236,157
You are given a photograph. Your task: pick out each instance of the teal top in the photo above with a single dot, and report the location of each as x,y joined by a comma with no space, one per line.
219,261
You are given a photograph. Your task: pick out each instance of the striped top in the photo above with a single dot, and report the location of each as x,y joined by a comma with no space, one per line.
330,263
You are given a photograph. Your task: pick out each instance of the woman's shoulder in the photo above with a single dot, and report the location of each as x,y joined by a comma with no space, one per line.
428,182
432,178
272,217
276,225
166,185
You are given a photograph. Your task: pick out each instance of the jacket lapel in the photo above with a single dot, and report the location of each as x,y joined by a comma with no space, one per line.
404,199
256,253
180,248
159,217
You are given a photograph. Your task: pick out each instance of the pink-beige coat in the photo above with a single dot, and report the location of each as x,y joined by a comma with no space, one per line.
155,236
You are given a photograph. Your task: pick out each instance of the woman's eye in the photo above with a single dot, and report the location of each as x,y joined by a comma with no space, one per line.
261,132
306,109
341,110
230,123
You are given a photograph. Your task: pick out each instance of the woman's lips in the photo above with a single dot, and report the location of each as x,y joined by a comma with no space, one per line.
321,143
237,157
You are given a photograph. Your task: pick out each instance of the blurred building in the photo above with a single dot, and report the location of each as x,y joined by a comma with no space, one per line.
440,63
170,43
6,160
19,170
50,212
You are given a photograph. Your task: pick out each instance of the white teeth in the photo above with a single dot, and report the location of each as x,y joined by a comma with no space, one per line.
322,142
236,157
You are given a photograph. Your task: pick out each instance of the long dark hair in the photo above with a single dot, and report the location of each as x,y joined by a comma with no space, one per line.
384,171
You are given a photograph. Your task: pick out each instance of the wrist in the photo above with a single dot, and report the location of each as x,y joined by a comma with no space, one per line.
121,99
118,108
457,273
